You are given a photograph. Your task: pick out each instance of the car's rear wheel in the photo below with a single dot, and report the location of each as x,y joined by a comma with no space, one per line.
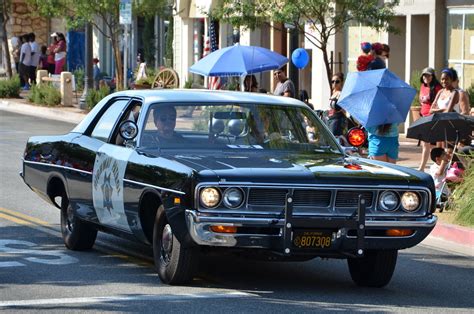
375,269
174,263
77,234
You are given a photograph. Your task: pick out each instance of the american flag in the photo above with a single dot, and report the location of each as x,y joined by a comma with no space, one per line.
212,45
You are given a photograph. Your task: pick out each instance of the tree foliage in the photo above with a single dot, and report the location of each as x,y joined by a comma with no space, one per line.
102,14
318,20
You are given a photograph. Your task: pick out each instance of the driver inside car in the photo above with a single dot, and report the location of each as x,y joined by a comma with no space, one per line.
165,122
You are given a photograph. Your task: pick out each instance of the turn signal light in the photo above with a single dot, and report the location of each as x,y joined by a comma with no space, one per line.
224,229
399,232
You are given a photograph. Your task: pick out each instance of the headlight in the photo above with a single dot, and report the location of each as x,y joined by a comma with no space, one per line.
388,201
210,197
410,201
233,197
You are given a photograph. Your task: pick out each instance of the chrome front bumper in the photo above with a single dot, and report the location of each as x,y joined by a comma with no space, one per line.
199,229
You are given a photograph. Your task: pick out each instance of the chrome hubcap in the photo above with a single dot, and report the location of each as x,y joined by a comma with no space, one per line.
166,243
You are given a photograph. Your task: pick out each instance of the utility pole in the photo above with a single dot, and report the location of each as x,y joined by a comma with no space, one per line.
293,70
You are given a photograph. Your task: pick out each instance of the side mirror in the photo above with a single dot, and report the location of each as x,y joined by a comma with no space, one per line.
128,130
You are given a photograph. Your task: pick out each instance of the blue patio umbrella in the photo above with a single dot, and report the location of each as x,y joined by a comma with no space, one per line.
376,97
238,60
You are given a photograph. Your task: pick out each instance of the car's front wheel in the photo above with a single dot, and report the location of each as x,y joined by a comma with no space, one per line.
375,269
77,234
174,263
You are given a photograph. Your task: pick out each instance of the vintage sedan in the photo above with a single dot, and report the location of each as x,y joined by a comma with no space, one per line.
193,172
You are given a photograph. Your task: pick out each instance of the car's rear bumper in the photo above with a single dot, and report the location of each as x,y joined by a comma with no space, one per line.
255,233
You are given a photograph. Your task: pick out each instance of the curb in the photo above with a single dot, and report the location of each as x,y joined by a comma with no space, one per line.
65,114
441,237
454,233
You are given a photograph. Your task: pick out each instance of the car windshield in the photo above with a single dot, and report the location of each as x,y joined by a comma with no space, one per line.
234,126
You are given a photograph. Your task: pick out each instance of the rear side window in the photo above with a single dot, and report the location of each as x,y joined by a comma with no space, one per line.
104,127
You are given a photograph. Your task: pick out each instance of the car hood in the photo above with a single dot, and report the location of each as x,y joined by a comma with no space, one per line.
296,168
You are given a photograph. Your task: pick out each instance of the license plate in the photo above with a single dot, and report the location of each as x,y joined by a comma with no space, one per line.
312,239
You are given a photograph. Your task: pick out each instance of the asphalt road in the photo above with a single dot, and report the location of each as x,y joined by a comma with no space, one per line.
38,273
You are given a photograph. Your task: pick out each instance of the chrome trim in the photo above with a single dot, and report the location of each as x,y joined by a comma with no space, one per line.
430,222
56,166
198,227
153,186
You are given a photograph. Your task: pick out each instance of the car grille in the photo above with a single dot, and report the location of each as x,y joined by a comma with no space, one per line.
309,200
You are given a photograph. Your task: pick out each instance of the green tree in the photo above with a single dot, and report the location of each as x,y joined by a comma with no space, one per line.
5,8
323,18
102,14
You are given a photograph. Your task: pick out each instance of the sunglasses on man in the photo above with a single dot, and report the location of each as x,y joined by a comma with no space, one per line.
335,82
165,118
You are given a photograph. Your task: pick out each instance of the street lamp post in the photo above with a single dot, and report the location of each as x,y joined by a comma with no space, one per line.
88,66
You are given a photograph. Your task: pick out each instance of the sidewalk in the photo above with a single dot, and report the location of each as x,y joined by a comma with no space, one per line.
445,236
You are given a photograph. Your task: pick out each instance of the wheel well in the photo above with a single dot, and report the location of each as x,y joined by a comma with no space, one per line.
55,189
149,204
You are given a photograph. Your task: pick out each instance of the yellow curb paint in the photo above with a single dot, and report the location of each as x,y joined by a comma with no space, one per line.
15,220
24,217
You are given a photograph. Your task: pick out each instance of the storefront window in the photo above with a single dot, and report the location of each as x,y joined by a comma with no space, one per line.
460,48
469,37
455,36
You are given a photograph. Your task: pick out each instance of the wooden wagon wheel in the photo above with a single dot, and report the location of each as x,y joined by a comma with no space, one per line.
166,78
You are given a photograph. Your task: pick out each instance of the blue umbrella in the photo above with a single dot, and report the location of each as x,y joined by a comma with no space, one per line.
238,60
376,97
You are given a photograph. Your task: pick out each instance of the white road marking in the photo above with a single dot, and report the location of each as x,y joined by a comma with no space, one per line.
90,300
11,264
50,257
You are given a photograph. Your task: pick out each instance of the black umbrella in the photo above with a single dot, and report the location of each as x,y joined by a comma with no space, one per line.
446,126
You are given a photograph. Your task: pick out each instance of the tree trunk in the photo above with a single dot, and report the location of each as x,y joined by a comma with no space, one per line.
118,63
328,66
4,19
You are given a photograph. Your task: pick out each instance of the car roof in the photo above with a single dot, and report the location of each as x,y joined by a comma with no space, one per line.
204,95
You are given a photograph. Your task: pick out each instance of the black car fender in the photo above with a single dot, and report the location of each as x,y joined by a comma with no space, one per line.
150,201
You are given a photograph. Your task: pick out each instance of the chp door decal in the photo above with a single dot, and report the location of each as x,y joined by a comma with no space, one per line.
107,185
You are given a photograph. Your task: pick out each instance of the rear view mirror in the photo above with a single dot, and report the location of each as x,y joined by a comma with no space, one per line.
227,115
128,130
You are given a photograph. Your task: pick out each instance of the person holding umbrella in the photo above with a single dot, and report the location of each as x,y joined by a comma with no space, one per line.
428,90
383,142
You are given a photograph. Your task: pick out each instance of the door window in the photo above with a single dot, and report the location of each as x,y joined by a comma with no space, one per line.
106,123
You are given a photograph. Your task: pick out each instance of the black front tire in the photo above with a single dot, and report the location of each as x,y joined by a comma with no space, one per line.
375,269
77,234
174,263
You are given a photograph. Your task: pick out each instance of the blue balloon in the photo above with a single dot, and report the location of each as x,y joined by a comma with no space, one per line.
300,58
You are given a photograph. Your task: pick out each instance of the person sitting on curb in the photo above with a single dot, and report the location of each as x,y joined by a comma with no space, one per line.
438,170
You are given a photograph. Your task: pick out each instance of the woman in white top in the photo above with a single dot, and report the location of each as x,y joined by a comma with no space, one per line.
448,96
